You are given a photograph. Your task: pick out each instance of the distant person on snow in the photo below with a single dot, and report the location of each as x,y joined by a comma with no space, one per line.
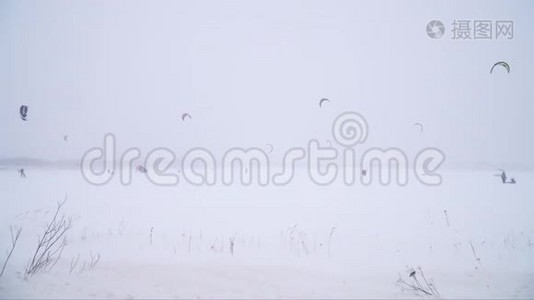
22,174
503,177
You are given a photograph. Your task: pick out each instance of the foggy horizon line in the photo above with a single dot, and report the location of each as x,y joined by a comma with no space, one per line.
43,163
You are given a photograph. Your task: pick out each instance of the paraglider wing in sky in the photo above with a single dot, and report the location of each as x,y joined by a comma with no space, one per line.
23,112
502,64
420,125
186,115
322,101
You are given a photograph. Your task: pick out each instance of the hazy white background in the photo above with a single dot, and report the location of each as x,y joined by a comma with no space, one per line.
252,72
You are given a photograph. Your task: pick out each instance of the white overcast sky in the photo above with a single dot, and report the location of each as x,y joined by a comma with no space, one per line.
252,73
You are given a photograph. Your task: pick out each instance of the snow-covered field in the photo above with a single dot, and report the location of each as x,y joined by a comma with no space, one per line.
297,241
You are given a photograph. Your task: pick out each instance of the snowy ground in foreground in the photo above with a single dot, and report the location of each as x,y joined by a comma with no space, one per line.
380,233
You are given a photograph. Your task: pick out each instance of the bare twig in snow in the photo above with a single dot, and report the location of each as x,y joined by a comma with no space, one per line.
476,256
51,244
232,243
82,269
14,239
94,260
74,263
330,239
413,284
189,244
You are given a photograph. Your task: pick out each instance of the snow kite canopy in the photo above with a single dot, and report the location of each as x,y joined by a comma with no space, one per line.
23,110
